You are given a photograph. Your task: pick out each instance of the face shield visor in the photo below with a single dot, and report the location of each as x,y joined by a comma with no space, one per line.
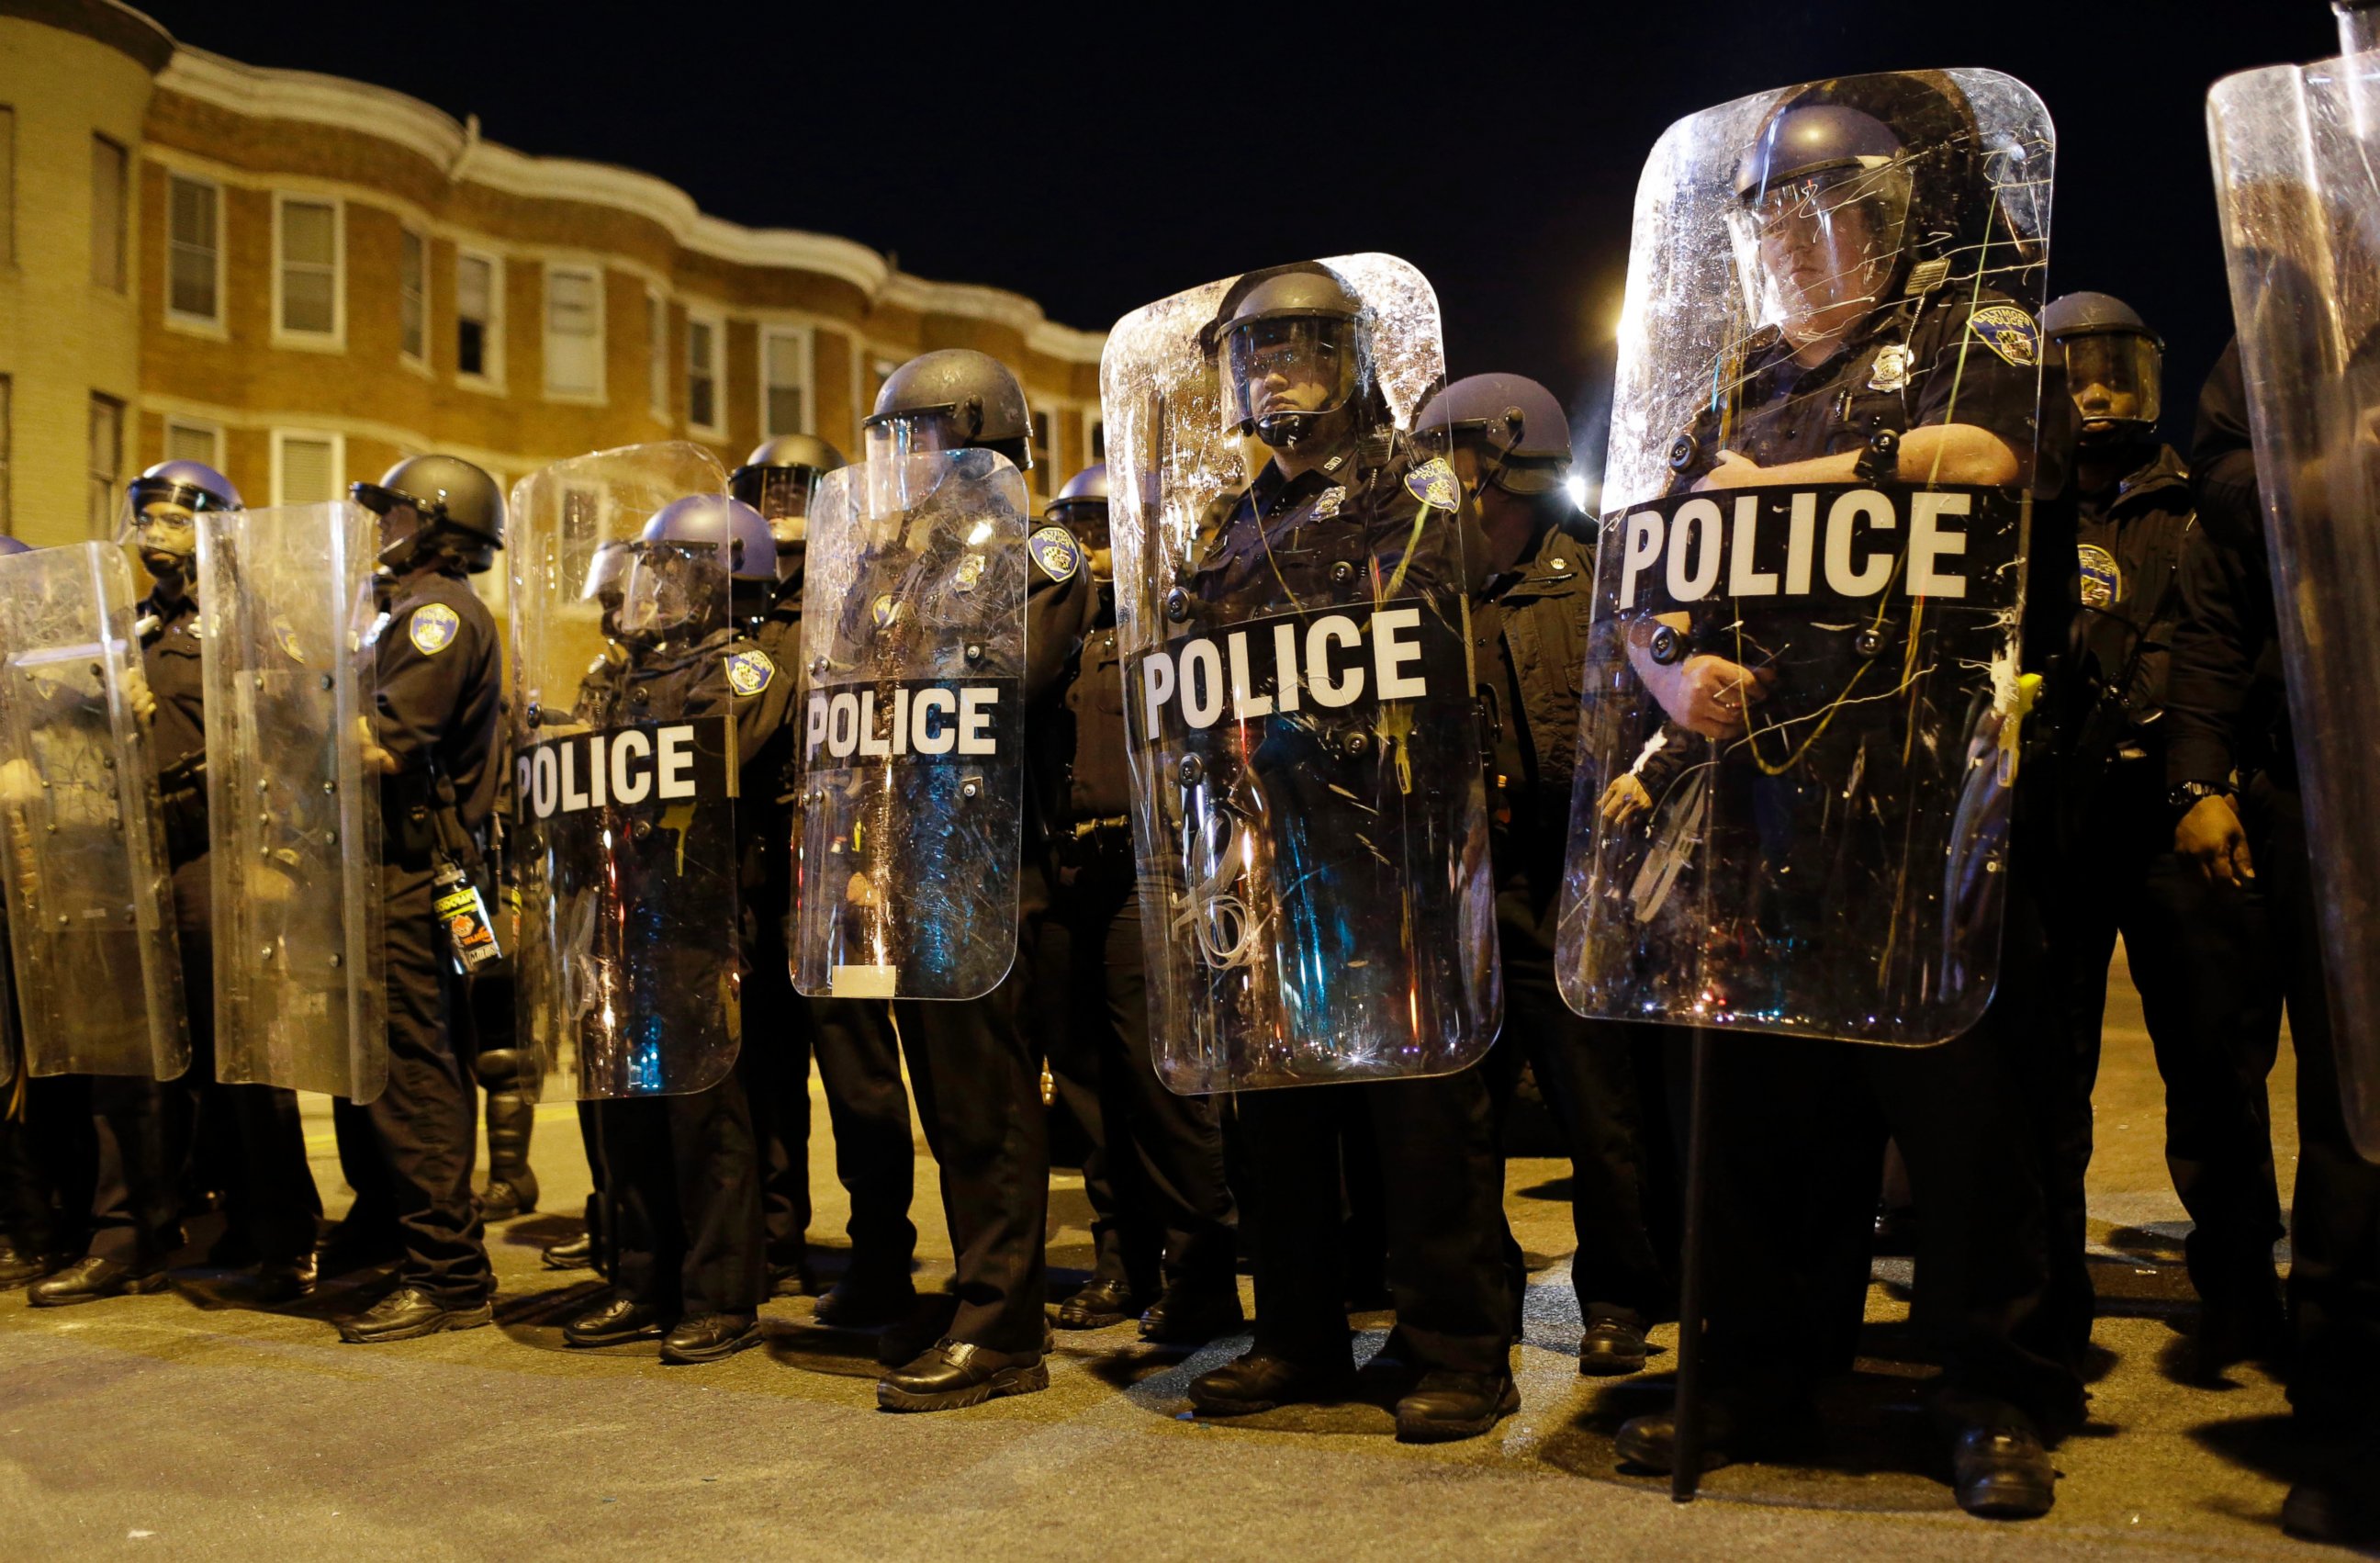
783,496
1820,251
1286,373
662,594
2116,379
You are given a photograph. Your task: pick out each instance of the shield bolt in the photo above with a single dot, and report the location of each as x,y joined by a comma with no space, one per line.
817,667
329,682
1354,742
1341,573
974,652
535,713
970,788
1177,605
1667,648
1190,770
1868,643
338,959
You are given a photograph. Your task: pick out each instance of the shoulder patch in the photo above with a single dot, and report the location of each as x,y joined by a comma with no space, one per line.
2008,331
434,627
1054,549
885,609
2103,579
748,672
1434,483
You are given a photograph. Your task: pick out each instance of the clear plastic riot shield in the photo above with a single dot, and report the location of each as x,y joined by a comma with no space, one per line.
91,900
913,727
2297,171
293,809
1310,810
1802,711
624,833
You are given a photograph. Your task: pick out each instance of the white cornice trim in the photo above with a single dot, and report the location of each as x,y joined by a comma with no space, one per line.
307,97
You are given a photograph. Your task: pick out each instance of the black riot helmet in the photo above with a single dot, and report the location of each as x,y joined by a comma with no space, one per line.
453,504
1082,506
953,400
1290,348
1514,425
2114,365
779,479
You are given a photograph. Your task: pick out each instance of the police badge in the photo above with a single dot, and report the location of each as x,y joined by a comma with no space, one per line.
1890,371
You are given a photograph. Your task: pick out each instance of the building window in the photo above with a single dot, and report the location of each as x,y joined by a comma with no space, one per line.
1044,453
479,317
193,250
106,463
1099,439
7,520
308,468
574,331
702,409
108,199
413,296
188,440
784,381
307,305
7,186
657,354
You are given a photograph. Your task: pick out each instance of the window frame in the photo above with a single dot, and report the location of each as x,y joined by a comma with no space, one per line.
7,201
214,432
417,361
182,320
122,260
657,353
789,331
593,271
7,454
491,344
281,438
716,324
103,530
335,339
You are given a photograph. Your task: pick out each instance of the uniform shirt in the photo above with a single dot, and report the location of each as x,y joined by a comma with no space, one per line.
171,660
438,670
2130,543
1336,534
1093,780
764,814
1529,638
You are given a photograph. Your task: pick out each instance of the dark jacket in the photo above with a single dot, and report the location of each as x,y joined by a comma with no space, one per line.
1529,640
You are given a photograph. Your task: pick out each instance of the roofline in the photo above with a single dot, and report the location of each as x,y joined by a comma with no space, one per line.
110,22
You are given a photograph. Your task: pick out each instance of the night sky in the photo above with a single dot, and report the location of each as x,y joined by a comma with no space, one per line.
1096,165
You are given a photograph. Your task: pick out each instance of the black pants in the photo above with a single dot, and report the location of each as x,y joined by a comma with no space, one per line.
684,1179
1603,1082
49,1158
2211,995
1161,1211
775,1058
246,1141
1796,1153
979,1085
2334,1288
408,1154
1442,1175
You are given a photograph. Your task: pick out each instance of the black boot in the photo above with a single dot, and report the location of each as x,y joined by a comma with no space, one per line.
1260,1381
1100,1302
88,1280
955,1373
1446,1405
512,1186
1611,1346
2000,1471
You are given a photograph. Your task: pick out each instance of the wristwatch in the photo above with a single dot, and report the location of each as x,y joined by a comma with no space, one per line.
2187,794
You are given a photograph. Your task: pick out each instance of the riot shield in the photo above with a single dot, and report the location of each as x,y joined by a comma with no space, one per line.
1310,810
2297,171
913,727
293,809
1802,713
624,831
91,900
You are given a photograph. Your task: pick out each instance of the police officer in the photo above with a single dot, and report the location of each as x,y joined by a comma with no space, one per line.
1163,1216
978,1082
245,1137
2207,991
858,1061
408,1154
491,1037
1336,473
1510,444
682,1171
2232,764
1867,203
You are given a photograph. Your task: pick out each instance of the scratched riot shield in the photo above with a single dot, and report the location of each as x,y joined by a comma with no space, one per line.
2297,170
624,833
90,906
1803,714
293,807
1310,807
913,725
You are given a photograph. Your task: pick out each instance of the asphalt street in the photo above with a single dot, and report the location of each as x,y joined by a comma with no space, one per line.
189,1425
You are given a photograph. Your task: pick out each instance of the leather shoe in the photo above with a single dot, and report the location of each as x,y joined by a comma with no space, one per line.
506,1197
1446,1406
281,1281
2002,1472
1651,1441
1257,1381
1610,1347
89,1279
1098,1303
616,1323
1187,1316
953,1374
709,1338
19,1267
409,1313
571,1253
865,1300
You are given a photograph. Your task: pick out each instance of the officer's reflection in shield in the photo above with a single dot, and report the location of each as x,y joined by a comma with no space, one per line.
1869,235
1326,815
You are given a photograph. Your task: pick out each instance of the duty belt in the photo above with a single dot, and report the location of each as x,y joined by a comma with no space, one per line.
1086,829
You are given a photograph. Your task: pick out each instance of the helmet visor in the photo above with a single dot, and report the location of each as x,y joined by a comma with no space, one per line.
782,495
1296,365
2114,377
913,433
1085,519
663,593
1821,249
